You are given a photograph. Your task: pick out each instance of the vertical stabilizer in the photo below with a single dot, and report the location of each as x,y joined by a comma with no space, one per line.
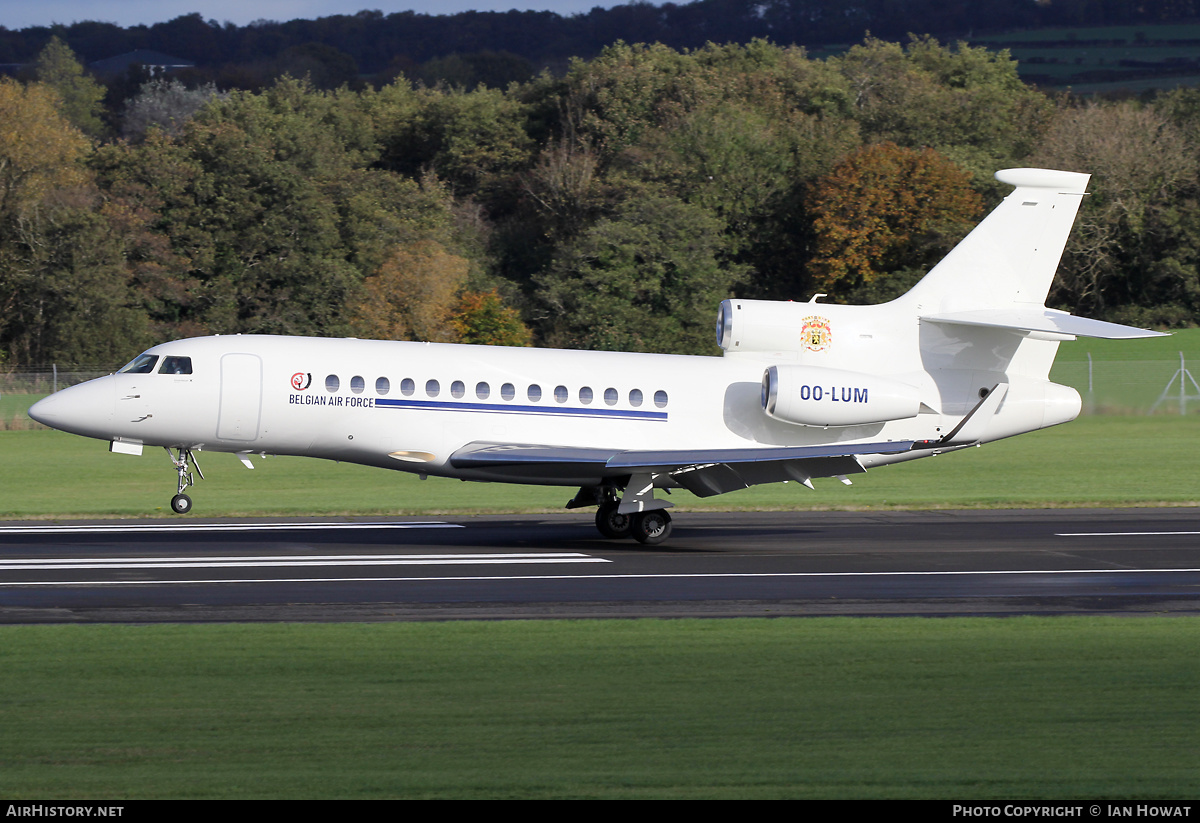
1008,260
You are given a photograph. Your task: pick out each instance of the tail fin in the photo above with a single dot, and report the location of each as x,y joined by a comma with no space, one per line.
1010,258
1001,272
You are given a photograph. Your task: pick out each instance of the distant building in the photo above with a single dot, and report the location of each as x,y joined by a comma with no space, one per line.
155,61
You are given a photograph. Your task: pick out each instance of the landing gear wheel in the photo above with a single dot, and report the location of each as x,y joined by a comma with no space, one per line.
181,504
611,523
651,528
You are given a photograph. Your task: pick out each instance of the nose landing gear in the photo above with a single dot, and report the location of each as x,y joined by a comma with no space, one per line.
181,503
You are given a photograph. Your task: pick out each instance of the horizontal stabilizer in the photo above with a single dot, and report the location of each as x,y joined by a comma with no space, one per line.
1047,321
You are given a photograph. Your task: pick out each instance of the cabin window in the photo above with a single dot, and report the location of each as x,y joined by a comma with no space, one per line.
176,365
433,388
383,385
508,391
660,399
142,364
357,384
483,391
585,396
457,389
407,387
610,396
332,383
635,397
535,393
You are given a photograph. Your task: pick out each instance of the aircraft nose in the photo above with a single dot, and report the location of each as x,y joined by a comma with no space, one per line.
85,409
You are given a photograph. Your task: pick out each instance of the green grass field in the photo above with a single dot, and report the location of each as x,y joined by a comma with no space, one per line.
1093,461
1061,56
799,708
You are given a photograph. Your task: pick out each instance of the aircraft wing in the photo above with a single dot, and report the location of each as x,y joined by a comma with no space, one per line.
704,472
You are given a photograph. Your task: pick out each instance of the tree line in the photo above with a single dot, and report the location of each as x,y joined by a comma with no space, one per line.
611,206
496,47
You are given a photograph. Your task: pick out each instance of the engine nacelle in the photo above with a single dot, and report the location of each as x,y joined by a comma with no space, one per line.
772,326
816,396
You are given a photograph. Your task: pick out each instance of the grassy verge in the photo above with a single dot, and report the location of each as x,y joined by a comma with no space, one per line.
1022,708
1094,461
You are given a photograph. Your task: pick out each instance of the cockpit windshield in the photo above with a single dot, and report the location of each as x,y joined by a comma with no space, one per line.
176,365
142,364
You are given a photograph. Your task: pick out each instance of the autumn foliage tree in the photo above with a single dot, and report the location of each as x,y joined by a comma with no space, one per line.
413,295
482,318
39,150
63,277
886,209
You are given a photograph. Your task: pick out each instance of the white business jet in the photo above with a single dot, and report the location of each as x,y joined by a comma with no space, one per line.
803,391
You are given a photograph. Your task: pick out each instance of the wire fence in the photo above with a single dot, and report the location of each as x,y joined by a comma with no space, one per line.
1106,386
1133,386
20,388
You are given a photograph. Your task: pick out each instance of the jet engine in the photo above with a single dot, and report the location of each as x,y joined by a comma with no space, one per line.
817,396
763,325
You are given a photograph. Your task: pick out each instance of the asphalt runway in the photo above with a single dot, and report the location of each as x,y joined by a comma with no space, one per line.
997,562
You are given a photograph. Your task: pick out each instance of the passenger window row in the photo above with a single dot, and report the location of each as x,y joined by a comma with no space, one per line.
483,391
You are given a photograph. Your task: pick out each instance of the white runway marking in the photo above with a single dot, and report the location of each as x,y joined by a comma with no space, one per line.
1122,534
588,577
43,564
218,527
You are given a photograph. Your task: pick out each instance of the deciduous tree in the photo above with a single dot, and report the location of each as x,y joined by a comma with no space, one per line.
81,96
883,209
413,296
649,278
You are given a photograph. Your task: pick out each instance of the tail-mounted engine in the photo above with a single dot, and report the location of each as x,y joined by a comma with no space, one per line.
766,325
817,396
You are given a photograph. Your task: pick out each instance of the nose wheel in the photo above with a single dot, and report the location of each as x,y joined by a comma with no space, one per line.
184,464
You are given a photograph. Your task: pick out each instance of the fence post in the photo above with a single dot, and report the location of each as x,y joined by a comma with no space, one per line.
1091,396
1182,394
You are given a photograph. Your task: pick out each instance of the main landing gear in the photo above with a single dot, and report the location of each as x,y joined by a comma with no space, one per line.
184,463
648,527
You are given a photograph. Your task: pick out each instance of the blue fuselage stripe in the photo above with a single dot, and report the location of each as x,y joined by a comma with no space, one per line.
496,408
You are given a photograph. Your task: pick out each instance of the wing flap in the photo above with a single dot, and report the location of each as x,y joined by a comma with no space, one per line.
704,472
673,460
478,455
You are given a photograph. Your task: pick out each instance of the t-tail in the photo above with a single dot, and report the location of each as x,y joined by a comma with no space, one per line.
1000,274
970,346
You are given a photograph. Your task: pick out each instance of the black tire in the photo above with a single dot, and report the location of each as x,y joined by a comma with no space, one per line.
181,504
651,528
612,524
